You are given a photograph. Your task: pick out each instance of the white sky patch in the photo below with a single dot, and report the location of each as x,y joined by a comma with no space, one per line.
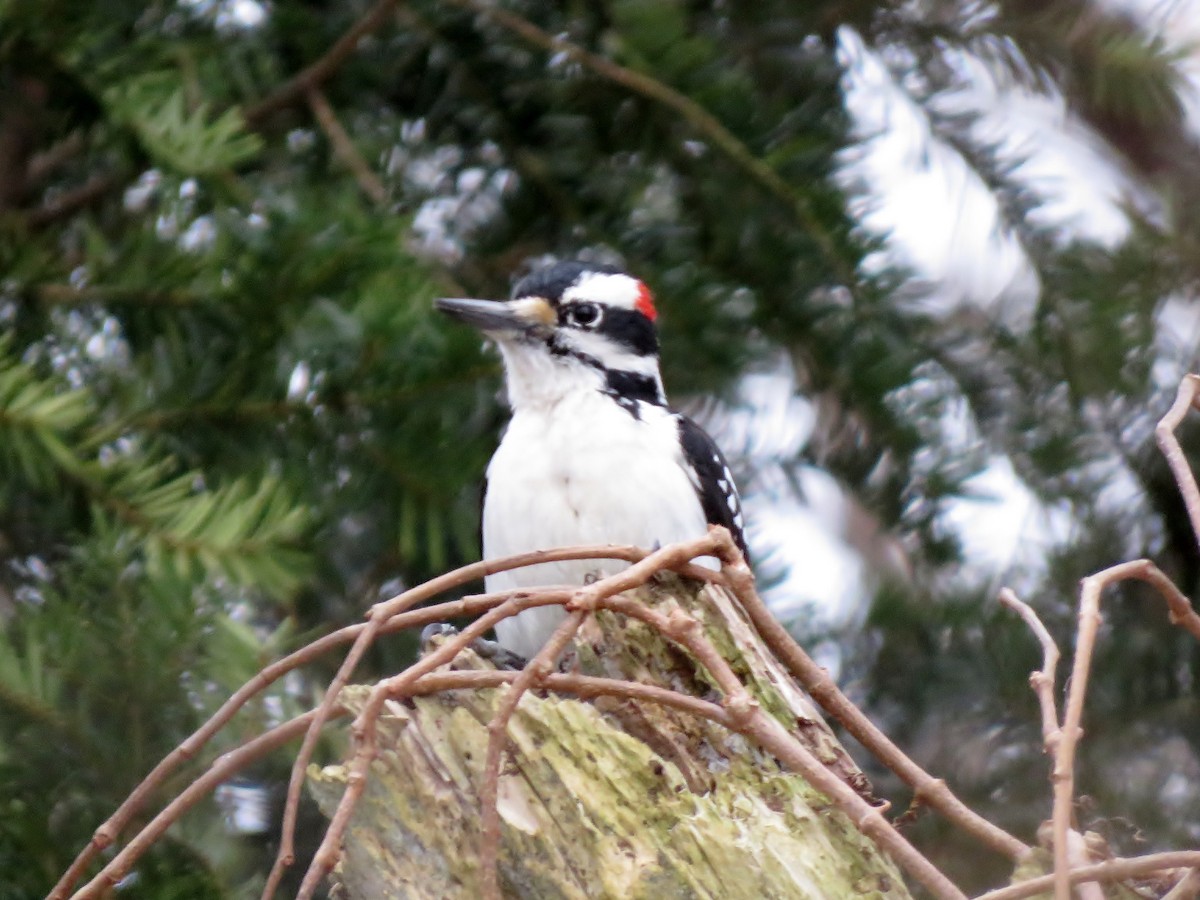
826,578
939,217
1003,526
771,421
796,526
941,220
1177,339
1079,183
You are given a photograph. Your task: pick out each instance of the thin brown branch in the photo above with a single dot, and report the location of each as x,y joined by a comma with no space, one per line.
45,163
584,687
319,71
768,733
65,204
1074,849
363,729
1078,856
1179,607
708,125
1043,681
674,556
932,791
343,147
1108,871
68,295
110,830
255,116
1063,775
1188,397
378,615
1089,623
107,833
534,674
1186,888
222,769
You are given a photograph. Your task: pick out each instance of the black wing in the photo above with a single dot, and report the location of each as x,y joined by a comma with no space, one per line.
713,481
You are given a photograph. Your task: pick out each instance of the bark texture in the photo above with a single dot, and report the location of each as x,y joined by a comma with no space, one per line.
609,798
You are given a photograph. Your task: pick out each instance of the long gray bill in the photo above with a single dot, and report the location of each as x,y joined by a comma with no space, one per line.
486,315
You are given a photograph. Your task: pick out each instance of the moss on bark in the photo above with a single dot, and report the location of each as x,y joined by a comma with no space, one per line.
612,798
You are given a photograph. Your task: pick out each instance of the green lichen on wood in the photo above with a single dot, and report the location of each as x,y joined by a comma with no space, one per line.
605,799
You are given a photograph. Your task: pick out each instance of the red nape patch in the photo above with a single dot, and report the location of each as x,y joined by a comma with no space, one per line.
645,303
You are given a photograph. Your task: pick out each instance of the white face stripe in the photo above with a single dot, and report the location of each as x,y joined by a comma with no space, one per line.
611,355
620,291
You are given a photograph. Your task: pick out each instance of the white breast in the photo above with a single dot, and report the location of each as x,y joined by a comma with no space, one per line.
583,471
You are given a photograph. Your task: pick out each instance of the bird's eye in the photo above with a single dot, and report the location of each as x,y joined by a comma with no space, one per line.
583,315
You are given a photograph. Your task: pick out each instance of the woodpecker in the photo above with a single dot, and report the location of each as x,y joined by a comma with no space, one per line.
592,454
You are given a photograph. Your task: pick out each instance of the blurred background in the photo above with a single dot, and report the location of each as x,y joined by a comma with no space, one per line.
928,271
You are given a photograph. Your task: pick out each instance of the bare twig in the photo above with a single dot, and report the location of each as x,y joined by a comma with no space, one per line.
1063,775
255,116
1078,857
584,687
320,70
45,163
1188,397
381,613
222,769
932,791
343,146
377,617
1089,623
107,833
768,733
1110,870
1186,888
674,556
229,764
1179,607
363,729
489,811
73,200
1043,681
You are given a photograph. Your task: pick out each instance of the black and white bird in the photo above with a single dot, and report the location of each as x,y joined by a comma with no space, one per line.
593,454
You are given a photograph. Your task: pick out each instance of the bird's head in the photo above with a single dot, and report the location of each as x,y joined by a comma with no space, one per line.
570,326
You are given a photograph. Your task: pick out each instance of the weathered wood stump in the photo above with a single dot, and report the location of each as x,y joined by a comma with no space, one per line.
609,798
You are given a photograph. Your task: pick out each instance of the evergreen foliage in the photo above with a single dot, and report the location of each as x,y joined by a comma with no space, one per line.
229,416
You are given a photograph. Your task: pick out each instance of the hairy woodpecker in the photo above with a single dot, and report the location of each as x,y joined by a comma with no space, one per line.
593,454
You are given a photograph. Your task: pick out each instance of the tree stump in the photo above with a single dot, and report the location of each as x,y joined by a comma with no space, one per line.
609,798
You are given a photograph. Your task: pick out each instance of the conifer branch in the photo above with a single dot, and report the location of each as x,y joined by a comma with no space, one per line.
296,88
708,125
68,203
343,147
68,295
